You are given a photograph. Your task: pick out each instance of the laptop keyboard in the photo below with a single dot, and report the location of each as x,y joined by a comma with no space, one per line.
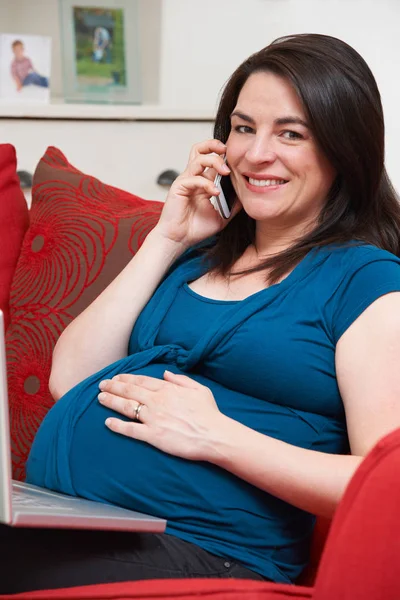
23,499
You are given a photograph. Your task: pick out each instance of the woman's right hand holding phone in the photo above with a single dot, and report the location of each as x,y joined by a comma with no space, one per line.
188,216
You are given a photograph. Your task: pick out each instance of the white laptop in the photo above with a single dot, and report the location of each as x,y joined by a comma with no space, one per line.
25,505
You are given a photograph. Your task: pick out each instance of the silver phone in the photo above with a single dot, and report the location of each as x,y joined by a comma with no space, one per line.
225,200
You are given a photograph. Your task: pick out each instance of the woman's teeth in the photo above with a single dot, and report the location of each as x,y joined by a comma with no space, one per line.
266,182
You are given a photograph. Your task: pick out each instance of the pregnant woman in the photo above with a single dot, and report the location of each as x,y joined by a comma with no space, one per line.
236,372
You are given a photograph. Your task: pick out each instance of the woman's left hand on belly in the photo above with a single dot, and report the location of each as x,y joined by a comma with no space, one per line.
175,414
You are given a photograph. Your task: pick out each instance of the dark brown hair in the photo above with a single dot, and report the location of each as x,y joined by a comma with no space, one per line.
343,107
16,43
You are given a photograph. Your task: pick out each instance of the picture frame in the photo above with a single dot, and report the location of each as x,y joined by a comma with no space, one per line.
25,65
100,51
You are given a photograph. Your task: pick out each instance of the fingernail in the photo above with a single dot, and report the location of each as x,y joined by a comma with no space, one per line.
226,168
168,372
103,383
102,397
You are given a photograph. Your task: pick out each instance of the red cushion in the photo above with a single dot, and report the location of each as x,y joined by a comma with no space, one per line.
81,234
179,589
14,220
320,534
362,555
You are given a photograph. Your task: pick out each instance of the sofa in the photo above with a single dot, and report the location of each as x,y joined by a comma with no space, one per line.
55,259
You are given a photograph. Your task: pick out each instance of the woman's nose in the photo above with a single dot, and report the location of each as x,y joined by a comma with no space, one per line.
261,150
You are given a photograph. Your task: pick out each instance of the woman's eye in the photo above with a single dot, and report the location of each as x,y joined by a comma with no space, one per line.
292,135
243,129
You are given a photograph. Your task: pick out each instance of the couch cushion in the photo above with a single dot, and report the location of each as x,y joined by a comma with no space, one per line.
362,555
81,234
14,220
175,589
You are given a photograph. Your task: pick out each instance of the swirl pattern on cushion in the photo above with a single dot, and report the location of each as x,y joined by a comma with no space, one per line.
81,235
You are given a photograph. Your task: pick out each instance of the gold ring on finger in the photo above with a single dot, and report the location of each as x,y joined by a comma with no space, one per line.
137,411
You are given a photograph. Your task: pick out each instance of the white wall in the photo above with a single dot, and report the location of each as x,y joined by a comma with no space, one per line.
203,42
128,155
5,15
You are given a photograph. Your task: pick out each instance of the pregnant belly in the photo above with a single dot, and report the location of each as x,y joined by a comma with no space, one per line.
108,467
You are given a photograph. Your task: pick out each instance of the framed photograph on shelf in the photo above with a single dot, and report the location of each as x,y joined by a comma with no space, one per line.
25,62
100,51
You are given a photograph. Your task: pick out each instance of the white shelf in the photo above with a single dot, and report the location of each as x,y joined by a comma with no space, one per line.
114,112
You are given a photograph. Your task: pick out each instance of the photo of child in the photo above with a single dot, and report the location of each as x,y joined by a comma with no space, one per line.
22,69
25,62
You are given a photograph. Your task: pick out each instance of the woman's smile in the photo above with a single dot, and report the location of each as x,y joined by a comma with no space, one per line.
262,184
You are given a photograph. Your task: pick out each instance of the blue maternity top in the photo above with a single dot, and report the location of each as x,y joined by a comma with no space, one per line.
269,361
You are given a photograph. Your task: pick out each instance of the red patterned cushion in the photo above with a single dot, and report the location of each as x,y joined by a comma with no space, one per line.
82,233
14,221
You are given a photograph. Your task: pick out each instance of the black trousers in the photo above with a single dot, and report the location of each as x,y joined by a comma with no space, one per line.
32,559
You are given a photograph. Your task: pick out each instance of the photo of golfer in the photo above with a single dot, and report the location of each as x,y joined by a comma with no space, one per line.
99,47
102,45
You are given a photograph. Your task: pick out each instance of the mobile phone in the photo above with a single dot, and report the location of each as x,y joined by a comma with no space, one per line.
225,200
